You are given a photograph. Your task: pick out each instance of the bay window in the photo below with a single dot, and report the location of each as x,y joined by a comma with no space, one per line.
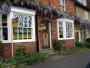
18,25
65,29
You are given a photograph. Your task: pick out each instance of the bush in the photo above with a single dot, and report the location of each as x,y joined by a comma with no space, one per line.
57,45
80,44
88,40
43,57
21,55
33,58
87,44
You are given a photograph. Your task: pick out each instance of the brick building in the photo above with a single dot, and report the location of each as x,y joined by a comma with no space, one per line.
37,24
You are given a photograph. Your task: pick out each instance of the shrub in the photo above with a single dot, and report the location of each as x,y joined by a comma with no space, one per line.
43,57
87,44
88,40
33,58
21,54
80,44
57,45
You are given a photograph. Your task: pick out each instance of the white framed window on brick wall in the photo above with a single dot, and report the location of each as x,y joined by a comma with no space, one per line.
19,26
62,5
86,16
23,25
65,29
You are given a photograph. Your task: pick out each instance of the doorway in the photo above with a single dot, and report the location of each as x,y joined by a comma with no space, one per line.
44,36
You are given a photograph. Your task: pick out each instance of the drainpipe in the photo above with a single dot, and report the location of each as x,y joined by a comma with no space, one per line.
37,36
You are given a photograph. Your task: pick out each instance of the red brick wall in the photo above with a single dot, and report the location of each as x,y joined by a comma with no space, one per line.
53,30
68,43
7,50
70,8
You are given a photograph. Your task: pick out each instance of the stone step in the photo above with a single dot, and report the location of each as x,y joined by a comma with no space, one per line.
50,52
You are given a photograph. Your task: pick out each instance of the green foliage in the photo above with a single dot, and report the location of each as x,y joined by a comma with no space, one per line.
80,44
1,43
87,44
32,58
88,40
43,57
22,57
57,45
21,54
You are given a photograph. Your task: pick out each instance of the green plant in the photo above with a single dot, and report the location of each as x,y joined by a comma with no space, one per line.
21,54
2,65
87,44
57,45
33,58
80,44
43,57
88,40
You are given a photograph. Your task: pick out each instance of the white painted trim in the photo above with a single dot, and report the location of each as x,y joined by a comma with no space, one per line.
50,36
0,26
79,36
64,29
22,10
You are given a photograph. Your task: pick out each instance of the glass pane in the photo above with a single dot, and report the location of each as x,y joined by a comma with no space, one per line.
24,33
19,33
29,20
5,33
25,21
29,33
4,27
60,30
69,29
20,20
15,33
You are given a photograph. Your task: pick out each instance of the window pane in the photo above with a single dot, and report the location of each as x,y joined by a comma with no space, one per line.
29,33
5,33
19,33
24,33
62,2
25,21
60,30
69,29
29,20
4,27
15,33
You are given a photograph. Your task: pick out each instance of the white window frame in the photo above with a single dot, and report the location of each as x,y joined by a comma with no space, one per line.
86,15
62,3
84,2
10,27
64,29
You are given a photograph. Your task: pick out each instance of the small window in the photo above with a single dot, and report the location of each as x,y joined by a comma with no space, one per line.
86,15
62,5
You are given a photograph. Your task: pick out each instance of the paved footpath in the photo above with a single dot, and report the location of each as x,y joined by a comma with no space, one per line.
74,61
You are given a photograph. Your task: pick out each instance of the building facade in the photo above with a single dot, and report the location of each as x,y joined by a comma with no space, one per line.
38,24
82,12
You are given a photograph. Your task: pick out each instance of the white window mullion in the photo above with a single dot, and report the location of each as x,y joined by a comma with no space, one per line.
70,28
64,30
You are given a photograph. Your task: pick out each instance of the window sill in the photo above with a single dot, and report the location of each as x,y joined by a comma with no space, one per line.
65,38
